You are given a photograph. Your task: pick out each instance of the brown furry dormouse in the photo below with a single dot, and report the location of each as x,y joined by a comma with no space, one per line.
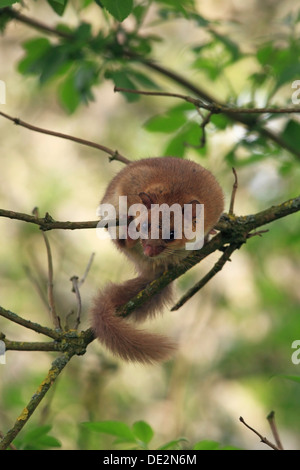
152,182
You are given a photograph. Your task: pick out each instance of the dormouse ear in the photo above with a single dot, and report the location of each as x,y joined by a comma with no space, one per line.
148,199
194,204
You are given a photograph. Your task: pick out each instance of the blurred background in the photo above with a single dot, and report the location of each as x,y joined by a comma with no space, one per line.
234,337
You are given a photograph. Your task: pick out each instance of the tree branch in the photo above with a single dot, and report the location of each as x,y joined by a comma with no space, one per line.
271,420
57,366
31,346
233,231
249,121
214,108
29,324
72,344
114,154
47,222
263,439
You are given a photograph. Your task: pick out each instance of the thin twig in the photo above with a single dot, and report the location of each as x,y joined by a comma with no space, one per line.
234,189
258,233
271,419
114,154
216,268
76,284
11,446
263,439
75,288
214,108
86,270
54,316
206,120
37,24
37,286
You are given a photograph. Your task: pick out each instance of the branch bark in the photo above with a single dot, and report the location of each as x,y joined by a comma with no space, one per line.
114,154
57,366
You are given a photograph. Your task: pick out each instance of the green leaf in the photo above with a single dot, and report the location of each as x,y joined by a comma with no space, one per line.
291,134
121,78
180,6
231,46
83,33
58,6
35,49
114,428
220,121
119,9
142,79
68,94
5,18
264,53
8,3
165,123
292,378
175,444
229,448
206,445
48,441
36,433
85,77
172,121
143,431
139,12
189,135
38,438
288,74
211,68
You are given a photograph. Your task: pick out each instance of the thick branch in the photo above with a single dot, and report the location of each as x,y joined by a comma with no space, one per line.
32,346
72,344
57,366
29,324
234,231
47,223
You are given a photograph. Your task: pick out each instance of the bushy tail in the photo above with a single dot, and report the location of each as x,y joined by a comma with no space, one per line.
118,335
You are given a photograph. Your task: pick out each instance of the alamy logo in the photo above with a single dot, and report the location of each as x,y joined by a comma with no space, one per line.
2,352
296,94
134,222
296,354
2,92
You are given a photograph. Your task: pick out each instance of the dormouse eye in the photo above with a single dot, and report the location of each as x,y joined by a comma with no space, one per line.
145,228
171,237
